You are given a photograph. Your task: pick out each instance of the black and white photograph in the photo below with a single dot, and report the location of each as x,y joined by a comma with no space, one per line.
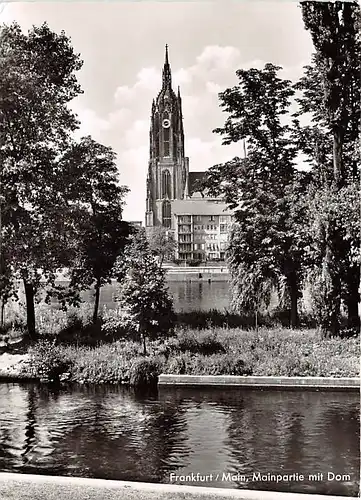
180,249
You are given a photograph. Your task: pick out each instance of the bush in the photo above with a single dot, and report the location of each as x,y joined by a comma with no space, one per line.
227,319
80,332
144,372
199,342
215,364
47,361
100,366
114,324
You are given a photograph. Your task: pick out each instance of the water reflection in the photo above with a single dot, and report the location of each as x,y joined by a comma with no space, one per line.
115,433
187,295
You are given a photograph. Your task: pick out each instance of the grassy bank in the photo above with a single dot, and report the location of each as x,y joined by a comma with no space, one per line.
221,351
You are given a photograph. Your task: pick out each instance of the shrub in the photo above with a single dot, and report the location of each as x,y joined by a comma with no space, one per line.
215,364
144,372
200,342
114,324
79,332
47,361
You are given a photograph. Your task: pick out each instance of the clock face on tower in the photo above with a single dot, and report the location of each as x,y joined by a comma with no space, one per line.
166,123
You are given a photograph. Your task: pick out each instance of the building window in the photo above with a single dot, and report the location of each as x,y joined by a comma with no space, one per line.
166,214
166,185
185,219
212,218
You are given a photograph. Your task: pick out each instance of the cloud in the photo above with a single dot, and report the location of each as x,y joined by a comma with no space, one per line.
182,77
213,88
90,122
148,79
205,154
217,58
124,94
132,165
136,135
120,118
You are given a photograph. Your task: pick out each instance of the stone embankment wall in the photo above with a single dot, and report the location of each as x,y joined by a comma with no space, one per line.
204,273
323,383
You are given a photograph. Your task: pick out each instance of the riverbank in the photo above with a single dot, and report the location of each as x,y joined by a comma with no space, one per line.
13,366
29,487
212,352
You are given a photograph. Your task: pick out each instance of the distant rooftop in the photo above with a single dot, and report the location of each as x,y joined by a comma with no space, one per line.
138,223
200,207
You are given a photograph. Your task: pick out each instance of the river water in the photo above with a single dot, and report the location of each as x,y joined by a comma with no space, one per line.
187,295
116,433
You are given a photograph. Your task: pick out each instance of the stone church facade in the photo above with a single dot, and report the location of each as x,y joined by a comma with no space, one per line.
171,196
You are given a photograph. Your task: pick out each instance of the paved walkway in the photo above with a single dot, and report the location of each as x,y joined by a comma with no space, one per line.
10,364
32,487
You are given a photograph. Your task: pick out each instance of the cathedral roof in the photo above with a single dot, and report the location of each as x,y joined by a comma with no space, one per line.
200,207
193,180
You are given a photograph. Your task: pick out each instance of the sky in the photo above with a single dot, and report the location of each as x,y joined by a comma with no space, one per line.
122,46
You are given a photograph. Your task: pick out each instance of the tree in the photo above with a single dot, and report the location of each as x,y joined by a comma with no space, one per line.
335,32
331,93
333,212
266,242
143,294
37,81
94,205
162,243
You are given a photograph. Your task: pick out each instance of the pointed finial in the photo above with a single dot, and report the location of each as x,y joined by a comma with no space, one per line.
167,78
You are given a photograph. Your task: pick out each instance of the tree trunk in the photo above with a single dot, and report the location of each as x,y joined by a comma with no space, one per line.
30,309
2,315
330,322
256,311
144,343
338,172
97,300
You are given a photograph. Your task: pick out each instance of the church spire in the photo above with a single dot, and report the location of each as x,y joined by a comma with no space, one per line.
167,76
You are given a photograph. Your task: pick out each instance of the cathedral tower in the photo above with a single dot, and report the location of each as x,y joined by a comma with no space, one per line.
168,167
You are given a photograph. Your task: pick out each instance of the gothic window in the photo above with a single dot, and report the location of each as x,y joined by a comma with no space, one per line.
166,133
166,214
166,185
166,138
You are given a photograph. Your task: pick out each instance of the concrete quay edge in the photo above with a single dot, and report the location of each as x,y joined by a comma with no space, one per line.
61,487
345,383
